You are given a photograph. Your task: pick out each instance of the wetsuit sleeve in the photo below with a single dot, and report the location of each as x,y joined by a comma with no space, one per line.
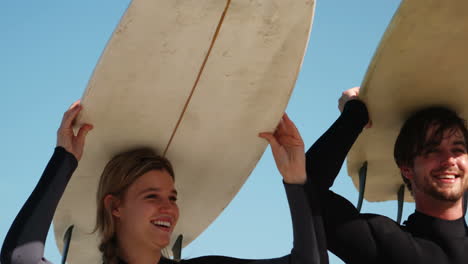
304,246
326,156
338,224
24,242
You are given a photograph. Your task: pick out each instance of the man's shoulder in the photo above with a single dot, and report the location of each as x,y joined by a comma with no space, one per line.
381,221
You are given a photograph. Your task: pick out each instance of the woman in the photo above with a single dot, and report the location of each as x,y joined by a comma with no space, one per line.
137,208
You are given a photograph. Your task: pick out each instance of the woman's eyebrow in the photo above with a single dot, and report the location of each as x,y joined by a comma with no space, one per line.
153,189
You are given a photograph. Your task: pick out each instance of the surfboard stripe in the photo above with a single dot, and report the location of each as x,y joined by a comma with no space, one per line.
209,98
200,72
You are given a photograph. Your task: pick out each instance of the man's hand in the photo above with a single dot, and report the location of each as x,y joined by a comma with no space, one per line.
348,95
66,137
288,150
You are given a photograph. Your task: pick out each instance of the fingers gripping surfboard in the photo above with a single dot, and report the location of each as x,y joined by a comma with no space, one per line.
196,80
422,61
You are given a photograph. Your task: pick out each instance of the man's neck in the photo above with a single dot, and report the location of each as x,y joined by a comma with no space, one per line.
446,210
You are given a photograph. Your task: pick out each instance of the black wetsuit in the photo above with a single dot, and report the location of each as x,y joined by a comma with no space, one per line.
25,240
370,238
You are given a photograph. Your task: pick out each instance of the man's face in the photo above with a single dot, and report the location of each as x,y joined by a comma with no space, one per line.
440,171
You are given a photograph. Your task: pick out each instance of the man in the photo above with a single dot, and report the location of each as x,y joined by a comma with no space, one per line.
433,161
432,156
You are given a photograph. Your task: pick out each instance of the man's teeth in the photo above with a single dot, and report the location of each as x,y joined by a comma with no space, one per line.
161,223
446,176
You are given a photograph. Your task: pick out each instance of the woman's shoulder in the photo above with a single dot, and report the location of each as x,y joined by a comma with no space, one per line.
211,260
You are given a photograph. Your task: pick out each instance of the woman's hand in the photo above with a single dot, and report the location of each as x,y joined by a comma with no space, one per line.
288,150
66,137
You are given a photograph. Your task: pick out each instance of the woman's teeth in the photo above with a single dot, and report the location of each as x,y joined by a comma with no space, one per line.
161,223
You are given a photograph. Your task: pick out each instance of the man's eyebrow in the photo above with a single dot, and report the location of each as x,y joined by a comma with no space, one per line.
430,144
460,142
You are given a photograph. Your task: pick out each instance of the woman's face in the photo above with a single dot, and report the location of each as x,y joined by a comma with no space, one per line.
148,213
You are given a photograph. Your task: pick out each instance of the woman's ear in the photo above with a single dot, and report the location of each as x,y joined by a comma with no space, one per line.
112,203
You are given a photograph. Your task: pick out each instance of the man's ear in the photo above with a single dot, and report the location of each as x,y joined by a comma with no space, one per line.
407,172
112,204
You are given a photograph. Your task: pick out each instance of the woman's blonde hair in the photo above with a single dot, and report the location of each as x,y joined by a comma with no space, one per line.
120,172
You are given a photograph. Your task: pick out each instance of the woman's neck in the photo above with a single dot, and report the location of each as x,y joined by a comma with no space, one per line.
135,253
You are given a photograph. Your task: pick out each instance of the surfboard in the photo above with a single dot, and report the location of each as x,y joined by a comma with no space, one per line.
197,80
422,60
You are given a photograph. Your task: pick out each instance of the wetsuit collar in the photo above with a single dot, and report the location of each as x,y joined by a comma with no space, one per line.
426,226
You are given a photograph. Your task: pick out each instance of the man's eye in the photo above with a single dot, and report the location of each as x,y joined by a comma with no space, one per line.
431,150
460,150
151,196
173,198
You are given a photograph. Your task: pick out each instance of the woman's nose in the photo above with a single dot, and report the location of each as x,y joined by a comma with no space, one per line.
167,205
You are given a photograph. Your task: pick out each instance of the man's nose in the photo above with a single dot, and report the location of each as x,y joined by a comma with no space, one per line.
448,159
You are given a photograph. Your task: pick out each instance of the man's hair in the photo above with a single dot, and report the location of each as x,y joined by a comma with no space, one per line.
412,140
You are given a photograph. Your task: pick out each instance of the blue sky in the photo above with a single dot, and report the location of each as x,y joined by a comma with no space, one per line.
48,50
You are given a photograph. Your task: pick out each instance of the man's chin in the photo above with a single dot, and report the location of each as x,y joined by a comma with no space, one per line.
447,195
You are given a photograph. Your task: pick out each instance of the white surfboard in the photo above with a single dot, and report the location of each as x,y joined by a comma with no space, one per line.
422,60
197,80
